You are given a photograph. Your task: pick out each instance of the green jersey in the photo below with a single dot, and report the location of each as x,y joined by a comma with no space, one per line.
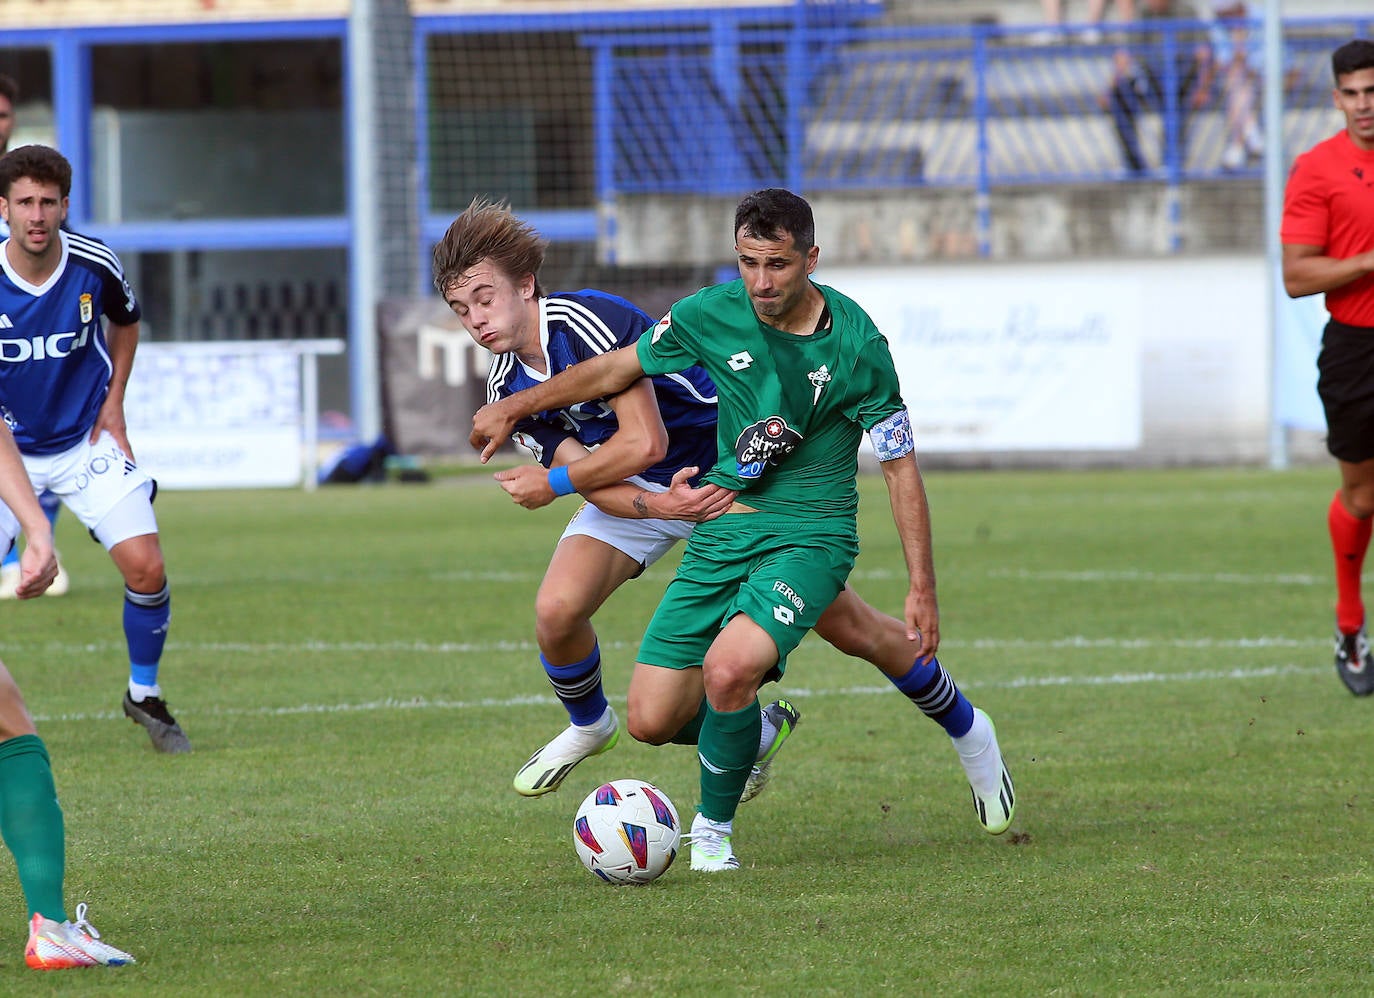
792,408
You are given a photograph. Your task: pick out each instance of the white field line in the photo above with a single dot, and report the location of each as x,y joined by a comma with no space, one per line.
1010,682
1077,641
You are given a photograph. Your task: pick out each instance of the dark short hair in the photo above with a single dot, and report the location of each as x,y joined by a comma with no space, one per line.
39,163
773,213
1351,58
9,88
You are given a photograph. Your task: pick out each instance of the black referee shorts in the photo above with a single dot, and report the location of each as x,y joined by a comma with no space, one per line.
1345,382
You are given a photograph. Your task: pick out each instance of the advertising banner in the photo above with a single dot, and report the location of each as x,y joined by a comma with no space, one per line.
221,415
1003,360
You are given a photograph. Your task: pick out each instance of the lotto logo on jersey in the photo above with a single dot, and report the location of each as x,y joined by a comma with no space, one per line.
87,308
763,443
55,345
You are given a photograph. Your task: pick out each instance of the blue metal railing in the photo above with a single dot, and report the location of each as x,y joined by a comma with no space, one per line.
862,107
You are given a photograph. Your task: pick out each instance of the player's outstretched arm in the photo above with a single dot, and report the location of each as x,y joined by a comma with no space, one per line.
598,377
911,512
38,563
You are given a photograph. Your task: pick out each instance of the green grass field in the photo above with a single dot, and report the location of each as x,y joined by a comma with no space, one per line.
356,670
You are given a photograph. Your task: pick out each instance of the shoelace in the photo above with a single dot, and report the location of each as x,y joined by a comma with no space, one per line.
81,924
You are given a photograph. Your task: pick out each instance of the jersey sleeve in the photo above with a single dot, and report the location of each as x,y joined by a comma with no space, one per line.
667,348
1305,208
120,306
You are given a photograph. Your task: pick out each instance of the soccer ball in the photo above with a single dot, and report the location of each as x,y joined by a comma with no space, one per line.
626,832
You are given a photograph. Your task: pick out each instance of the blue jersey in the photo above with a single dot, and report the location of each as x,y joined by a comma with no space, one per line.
54,363
577,325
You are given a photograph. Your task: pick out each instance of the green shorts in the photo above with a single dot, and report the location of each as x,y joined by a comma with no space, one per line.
778,571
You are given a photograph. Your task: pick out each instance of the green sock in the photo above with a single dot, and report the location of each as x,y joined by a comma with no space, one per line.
729,744
31,824
690,733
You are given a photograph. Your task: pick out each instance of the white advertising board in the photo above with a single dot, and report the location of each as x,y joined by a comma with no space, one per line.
223,415
1004,360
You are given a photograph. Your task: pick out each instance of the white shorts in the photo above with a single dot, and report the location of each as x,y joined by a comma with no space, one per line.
93,481
645,541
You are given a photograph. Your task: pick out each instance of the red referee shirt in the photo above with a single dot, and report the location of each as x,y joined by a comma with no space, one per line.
1329,203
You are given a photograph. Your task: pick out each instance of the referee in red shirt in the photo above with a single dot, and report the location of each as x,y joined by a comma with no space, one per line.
1328,247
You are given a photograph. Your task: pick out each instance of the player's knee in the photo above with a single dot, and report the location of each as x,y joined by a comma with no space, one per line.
650,731
1359,499
730,684
146,578
557,618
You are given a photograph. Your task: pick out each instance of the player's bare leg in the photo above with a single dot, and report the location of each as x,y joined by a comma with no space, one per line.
856,628
581,576
147,614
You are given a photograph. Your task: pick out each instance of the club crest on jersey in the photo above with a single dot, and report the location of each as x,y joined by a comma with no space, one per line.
819,379
87,308
763,443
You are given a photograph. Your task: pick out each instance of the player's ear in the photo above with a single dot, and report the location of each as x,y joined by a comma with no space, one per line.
813,256
527,287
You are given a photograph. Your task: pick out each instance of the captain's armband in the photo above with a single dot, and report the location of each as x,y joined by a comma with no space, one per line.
892,437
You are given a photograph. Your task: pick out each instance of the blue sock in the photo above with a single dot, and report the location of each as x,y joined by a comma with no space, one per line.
146,616
929,687
579,686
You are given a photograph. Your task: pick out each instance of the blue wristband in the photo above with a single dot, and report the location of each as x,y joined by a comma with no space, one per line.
560,481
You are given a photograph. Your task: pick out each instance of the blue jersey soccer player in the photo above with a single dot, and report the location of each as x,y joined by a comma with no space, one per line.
62,378
9,565
486,268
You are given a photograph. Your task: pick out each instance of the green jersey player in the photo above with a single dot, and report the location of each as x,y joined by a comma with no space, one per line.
801,373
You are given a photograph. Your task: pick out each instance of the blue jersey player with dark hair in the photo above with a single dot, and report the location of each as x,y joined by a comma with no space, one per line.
652,441
9,566
62,377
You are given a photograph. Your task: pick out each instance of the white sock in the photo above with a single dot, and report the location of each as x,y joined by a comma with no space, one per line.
138,692
601,725
978,752
973,741
701,823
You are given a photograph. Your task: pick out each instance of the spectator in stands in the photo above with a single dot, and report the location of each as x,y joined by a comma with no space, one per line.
1239,54
1054,16
1239,57
1165,70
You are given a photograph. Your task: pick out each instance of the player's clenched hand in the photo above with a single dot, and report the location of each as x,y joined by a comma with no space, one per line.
923,620
528,485
491,427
